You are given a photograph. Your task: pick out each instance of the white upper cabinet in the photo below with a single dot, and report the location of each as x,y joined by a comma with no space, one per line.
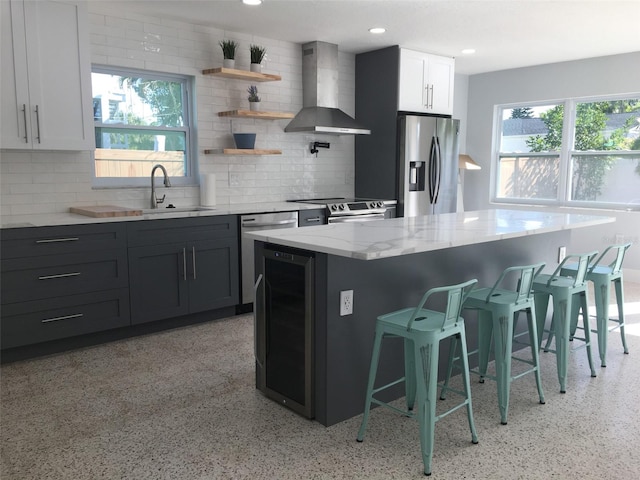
46,76
426,82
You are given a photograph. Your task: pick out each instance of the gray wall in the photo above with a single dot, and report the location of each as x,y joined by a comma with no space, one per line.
595,76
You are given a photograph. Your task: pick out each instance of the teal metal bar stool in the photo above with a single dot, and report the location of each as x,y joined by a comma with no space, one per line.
422,330
569,297
602,275
498,311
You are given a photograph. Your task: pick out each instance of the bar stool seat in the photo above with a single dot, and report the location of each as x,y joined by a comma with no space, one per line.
569,297
602,276
498,311
422,330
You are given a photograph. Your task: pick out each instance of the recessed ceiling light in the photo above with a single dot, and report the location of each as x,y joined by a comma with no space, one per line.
252,2
469,51
377,30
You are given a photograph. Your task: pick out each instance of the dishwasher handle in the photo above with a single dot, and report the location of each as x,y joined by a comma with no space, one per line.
246,224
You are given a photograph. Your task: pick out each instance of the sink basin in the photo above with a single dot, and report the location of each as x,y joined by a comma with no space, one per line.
160,211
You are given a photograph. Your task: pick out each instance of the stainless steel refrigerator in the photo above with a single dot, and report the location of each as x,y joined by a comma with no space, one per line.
427,165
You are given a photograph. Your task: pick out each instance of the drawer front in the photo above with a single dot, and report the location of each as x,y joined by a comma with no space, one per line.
309,218
51,319
171,230
31,278
36,241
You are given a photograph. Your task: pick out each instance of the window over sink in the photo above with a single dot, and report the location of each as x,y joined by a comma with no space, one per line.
141,118
576,152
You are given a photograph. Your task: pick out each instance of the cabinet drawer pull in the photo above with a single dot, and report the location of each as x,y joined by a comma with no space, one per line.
54,240
59,275
313,220
64,317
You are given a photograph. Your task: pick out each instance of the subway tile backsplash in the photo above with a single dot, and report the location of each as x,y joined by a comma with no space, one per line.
50,182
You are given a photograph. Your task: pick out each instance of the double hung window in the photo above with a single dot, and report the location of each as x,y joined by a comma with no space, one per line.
141,119
575,152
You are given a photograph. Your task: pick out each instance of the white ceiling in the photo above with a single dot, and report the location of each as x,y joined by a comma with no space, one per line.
505,33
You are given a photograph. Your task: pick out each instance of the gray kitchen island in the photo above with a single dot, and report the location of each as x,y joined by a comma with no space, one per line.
314,360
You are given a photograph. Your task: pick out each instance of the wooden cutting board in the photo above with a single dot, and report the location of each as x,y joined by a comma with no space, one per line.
102,211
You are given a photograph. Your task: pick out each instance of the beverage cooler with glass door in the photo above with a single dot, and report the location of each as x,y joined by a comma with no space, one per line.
284,311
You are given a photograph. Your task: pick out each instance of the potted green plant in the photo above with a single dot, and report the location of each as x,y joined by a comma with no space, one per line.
257,55
229,52
254,99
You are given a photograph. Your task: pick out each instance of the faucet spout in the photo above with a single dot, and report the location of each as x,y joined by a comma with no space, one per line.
167,183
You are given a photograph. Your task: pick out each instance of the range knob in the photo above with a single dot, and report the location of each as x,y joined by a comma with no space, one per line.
333,207
380,204
342,206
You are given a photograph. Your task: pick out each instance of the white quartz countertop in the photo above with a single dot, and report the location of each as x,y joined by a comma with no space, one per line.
50,219
403,236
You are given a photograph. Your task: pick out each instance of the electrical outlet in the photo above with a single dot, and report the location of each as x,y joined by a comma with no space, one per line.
562,252
234,179
346,302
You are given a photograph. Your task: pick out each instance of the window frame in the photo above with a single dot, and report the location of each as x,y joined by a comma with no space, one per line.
191,149
565,154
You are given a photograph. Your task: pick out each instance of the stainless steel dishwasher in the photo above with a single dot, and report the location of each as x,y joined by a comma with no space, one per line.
252,223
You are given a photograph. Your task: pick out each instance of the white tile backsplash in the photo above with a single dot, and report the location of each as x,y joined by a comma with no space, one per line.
49,182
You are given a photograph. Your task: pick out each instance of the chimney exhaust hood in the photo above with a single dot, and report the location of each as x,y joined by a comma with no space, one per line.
320,112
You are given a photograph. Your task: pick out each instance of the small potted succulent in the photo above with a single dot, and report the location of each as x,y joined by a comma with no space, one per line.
257,55
229,52
254,99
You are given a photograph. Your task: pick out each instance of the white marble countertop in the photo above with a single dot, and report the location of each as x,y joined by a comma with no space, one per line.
50,219
403,236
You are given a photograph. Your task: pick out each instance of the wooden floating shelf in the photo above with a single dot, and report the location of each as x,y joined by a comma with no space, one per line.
243,151
241,74
256,114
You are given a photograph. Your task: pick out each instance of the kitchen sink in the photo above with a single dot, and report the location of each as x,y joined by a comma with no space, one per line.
160,211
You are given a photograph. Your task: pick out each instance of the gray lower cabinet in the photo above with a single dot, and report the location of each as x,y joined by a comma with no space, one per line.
62,281
309,218
182,266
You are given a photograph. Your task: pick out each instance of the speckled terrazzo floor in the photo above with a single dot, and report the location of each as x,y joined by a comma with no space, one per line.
181,404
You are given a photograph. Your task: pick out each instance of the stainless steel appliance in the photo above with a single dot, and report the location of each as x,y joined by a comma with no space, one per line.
427,165
252,223
284,323
342,210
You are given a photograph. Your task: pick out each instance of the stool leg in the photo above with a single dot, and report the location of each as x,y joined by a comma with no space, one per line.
533,341
561,312
467,386
601,291
485,333
587,330
409,374
373,368
503,342
620,301
541,301
452,355
426,360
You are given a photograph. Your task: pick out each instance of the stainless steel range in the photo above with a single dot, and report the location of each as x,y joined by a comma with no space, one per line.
340,210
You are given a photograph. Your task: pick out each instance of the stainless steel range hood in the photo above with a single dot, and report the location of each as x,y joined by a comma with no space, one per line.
320,112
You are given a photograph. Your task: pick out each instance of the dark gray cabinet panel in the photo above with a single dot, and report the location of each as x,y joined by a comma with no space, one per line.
309,218
36,241
30,278
27,323
182,266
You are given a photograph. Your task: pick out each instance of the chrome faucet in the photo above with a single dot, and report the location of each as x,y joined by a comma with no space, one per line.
155,200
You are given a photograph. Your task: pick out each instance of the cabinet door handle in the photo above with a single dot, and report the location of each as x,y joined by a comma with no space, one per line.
193,261
256,354
184,263
38,123
425,97
53,240
24,114
64,317
59,275
431,103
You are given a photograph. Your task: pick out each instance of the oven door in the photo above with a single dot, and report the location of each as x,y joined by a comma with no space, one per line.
366,217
